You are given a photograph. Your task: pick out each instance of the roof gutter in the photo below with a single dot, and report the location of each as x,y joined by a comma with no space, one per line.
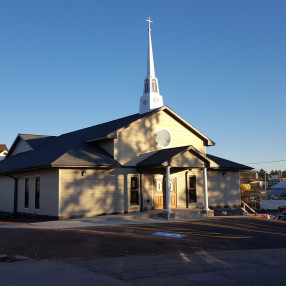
5,173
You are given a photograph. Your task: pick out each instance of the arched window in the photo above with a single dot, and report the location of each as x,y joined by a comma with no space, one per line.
154,85
146,86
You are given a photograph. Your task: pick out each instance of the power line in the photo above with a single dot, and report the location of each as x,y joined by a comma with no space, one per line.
266,162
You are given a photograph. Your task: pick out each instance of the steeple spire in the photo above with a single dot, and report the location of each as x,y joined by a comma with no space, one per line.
151,98
150,60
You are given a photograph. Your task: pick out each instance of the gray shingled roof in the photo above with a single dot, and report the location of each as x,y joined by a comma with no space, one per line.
161,156
72,149
164,157
226,164
36,141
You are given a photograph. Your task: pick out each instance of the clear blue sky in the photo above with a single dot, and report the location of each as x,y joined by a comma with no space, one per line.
221,65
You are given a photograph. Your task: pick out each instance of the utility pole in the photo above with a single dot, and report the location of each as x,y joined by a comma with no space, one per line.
265,185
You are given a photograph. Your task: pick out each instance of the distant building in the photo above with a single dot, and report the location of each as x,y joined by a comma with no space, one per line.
273,177
3,151
278,189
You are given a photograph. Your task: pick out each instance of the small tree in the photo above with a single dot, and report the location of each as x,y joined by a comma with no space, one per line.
244,188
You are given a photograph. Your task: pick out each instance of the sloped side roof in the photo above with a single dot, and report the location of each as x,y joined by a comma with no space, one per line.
227,164
86,155
35,141
62,149
165,157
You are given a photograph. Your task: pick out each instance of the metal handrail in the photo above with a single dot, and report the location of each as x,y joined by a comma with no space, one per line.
246,205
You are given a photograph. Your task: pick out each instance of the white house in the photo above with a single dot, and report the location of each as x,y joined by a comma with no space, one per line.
3,151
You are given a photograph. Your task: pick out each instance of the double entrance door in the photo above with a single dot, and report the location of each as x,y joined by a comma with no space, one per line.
160,193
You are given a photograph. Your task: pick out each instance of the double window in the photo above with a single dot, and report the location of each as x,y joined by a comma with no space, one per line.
134,190
154,86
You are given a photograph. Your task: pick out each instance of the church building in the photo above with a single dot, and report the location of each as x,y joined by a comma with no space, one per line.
153,159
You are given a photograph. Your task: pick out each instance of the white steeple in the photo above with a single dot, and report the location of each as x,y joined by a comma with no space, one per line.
151,98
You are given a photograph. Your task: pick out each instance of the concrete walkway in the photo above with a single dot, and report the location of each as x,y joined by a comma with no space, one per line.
119,219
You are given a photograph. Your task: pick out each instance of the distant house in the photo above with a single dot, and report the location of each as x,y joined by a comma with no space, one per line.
279,189
3,151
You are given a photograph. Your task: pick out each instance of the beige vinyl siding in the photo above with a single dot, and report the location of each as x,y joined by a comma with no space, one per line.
94,193
182,187
187,160
48,192
6,194
138,141
223,190
147,190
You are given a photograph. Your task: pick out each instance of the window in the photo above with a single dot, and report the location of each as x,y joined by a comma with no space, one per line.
192,189
37,193
146,86
27,186
134,191
154,85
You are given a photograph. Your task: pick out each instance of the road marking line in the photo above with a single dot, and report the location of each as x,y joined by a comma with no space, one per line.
262,225
238,228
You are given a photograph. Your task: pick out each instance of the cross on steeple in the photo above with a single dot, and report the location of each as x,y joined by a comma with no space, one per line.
148,20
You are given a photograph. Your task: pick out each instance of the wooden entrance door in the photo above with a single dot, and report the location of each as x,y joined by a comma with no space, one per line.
160,193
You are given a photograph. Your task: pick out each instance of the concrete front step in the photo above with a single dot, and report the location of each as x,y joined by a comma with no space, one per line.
176,214
183,214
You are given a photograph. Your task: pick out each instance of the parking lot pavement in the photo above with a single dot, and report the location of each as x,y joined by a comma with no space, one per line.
146,238
228,233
